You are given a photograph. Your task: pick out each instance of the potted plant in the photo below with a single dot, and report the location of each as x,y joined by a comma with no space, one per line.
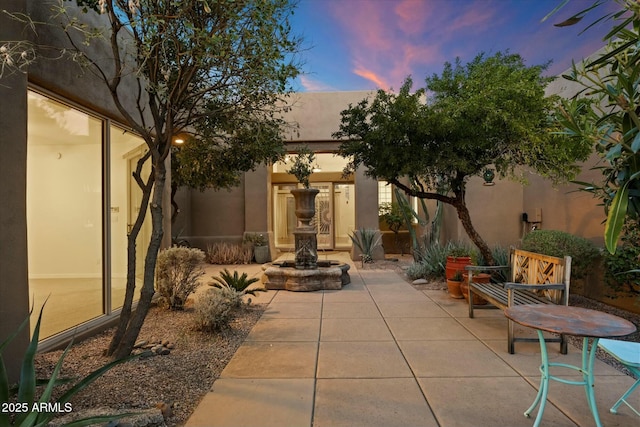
458,257
302,166
453,285
259,246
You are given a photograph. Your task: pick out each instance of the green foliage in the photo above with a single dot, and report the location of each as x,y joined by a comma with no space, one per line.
621,269
391,214
366,240
215,308
302,166
604,114
459,248
237,283
179,269
227,253
457,277
490,112
28,389
557,243
408,215
256,239
431,263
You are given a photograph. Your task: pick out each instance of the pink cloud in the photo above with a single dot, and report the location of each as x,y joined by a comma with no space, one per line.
478,18
385,38
312,85
414,15
372,77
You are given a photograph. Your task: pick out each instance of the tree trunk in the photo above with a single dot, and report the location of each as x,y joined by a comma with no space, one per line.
130,323
125,346
125,313
465,219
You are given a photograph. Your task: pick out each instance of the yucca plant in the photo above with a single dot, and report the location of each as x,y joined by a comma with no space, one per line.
366,240
236,282
27,386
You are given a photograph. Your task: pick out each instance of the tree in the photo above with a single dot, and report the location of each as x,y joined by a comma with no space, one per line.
391,213
216,70
606,114
491,111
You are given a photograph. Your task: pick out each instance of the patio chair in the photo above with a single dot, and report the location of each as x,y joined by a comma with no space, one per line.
627,353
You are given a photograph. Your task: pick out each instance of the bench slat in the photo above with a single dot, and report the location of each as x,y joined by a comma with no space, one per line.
540,271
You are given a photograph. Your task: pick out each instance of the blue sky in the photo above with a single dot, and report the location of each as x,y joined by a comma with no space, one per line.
372,44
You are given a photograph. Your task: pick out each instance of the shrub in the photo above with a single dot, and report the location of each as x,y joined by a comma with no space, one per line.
236,284
214,309
178,271
228,253
557,243
621,270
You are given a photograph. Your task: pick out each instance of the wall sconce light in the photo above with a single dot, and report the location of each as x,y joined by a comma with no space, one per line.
179,139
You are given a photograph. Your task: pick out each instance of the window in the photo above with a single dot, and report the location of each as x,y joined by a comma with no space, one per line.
384,193
79,204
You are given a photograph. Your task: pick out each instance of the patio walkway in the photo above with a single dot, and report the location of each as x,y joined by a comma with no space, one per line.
380,353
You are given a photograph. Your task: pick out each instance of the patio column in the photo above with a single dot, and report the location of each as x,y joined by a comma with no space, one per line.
366,209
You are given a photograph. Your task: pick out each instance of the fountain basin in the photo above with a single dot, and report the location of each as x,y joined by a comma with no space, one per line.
282,275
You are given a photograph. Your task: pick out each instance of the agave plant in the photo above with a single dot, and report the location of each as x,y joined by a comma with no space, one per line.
236,282
366,240
26,390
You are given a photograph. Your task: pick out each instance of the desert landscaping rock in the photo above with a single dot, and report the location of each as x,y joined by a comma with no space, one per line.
181,378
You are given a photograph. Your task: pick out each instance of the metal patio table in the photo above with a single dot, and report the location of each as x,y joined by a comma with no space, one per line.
575,321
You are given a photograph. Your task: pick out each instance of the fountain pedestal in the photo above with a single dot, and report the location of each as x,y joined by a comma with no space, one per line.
307,274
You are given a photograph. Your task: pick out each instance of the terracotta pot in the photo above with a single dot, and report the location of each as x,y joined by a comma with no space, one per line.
454,289
455,265
478,278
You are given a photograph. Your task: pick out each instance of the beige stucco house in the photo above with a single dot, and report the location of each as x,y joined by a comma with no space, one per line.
68,198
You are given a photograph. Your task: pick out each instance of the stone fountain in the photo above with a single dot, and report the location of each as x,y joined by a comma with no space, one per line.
306,273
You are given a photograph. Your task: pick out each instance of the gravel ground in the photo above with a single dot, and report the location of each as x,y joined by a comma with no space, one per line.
178,381
175,382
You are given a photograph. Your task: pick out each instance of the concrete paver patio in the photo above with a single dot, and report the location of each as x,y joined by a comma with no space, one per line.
381,353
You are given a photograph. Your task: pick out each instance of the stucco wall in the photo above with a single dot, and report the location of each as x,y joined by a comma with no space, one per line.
14,288
318,113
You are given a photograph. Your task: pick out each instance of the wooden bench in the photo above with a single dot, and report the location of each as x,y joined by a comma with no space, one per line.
532,278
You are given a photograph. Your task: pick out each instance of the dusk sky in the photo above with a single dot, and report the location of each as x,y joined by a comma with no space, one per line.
372,44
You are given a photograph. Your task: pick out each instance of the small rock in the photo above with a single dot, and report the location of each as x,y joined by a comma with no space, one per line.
146,354
420,282
165,409
164,351
171,346
165,342
141,344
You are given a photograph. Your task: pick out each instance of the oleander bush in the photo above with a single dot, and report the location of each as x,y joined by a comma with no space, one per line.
178,271
583,252
228,253
622,269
